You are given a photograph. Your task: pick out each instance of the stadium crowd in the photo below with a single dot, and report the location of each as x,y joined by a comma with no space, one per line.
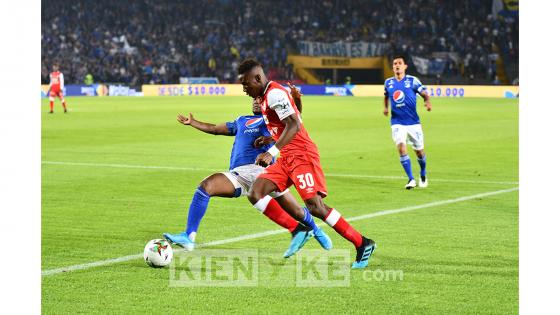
148,41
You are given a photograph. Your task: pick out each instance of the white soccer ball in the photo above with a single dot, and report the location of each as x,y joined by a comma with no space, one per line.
158,253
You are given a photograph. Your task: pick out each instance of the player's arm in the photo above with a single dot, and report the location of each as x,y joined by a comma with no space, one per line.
292,126
220,129
296,95
280,103
427,101
61,78
262,141
386,105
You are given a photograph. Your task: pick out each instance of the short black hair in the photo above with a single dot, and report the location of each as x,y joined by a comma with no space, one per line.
400,57
247,65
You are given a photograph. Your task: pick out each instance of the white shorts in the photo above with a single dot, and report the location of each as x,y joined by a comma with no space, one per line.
411,134
243,177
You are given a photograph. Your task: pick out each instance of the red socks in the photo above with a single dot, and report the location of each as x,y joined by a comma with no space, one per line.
337,222
272,209
51,104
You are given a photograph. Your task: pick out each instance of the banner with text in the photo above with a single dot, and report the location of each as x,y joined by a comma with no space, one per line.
342,49
193,90
331,90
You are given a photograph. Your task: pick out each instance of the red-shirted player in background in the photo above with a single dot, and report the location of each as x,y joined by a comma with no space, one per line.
299,162
56,87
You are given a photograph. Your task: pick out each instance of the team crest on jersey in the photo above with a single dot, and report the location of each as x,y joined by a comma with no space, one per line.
253,123
407,84
398,96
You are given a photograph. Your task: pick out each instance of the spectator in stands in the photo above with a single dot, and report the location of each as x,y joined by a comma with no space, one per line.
146,41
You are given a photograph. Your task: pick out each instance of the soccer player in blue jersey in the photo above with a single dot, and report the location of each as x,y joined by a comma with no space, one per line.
251,139
401,90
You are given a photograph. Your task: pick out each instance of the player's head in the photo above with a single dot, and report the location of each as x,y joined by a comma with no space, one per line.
257,106
252,77
55,66
399,65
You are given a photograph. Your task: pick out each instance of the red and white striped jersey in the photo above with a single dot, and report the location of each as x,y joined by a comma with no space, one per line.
57,80
278,104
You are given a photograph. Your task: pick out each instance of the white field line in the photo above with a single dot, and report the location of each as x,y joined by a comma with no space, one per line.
274,232
327,174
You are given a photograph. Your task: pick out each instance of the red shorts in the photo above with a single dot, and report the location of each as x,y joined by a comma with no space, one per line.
56,92
303,171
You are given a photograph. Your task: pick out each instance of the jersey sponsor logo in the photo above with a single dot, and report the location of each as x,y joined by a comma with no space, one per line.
254,130
253,123
284,105
398,96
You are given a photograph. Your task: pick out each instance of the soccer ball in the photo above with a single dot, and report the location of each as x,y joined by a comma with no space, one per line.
158,253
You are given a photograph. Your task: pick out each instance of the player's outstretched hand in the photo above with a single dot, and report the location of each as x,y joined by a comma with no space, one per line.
264,159
262,140
385,111
428,105
296,93
185,120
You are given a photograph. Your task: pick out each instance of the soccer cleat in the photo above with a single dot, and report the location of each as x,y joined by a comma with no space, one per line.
323,239
411,184
180,239
423,182
65,111
363,254
51,112
300,236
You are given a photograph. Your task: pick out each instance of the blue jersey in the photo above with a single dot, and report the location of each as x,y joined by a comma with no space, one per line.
246,130
403,99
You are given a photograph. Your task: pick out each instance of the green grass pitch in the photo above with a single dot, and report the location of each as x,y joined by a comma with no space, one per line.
117,172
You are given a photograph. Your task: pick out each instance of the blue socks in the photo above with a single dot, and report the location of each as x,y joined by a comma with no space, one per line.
197,210
422,162
405,161
308,220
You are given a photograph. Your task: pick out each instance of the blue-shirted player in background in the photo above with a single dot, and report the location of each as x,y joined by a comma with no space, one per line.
401,90
251,139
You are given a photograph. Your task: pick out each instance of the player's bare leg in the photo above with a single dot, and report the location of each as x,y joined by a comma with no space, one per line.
421,155
289,203
51,104
218,185
364,246
407,165
63,101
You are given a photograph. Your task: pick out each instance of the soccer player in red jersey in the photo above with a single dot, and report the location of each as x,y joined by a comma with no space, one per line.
56,87
298,163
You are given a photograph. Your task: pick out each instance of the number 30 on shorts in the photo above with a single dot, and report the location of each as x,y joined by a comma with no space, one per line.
306,180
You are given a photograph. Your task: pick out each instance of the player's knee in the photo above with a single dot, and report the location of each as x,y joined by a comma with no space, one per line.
316,208
255,195
208,187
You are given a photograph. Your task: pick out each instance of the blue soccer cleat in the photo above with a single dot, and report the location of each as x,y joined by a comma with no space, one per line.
300,236
180,239
364,253
323,239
